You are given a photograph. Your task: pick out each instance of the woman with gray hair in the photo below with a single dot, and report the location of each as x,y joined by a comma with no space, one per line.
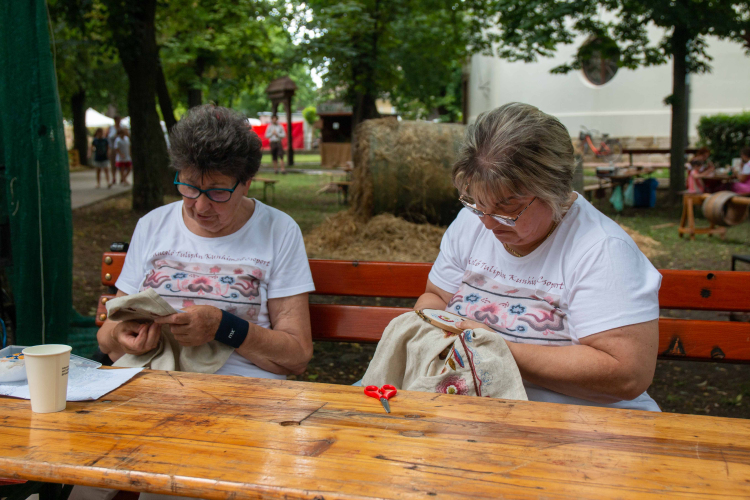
566,287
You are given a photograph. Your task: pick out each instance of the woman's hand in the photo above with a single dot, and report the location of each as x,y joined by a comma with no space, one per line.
136,338
196,326
469,324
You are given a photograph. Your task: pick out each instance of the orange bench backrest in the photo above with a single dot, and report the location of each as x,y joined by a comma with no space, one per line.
678,338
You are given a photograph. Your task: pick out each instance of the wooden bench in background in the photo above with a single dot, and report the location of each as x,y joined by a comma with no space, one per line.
653,151
689,339
266,184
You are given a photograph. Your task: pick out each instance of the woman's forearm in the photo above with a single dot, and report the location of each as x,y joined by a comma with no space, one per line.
430,300
580,371
275,351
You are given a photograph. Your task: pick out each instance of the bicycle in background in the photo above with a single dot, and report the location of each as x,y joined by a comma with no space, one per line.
603,147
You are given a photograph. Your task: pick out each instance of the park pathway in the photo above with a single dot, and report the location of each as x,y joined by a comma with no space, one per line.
83,190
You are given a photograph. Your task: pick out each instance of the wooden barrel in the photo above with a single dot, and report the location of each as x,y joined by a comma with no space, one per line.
719,209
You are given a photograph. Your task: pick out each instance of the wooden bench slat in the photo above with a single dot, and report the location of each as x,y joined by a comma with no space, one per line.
369,279
339,323
705,290
678,338
698,340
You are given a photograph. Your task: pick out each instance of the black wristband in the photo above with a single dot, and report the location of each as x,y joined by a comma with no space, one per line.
232,330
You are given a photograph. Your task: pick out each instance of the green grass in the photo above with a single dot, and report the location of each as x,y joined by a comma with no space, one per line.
298,158
682,253
296,195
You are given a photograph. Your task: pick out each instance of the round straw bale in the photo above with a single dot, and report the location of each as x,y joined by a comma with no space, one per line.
403,168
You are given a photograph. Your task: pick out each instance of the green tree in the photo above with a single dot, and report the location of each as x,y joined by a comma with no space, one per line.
133,29
89,73
221,49
531,29
406,50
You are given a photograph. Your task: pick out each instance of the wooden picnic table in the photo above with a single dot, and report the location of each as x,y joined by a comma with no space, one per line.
217,437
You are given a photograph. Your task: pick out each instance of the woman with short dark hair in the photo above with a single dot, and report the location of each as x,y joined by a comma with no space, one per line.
569,291
223,258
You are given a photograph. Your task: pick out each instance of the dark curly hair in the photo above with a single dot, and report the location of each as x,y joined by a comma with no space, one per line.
211,139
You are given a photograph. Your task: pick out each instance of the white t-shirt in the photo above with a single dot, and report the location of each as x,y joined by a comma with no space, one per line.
122,146
587,277
274,133
237,273
112,136
745,169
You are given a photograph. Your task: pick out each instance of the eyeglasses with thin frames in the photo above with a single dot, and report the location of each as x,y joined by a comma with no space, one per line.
218,195
502,219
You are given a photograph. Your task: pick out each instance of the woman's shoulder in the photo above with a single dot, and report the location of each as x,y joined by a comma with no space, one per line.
160,215
588,228
274,218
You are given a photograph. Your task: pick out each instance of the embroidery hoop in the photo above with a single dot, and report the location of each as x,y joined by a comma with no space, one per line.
447,322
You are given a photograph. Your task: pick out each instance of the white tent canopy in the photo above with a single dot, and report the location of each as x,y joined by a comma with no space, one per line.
95,119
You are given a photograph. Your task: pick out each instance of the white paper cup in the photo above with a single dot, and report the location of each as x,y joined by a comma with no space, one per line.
47,371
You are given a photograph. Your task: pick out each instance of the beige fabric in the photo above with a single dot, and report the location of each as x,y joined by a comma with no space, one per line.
144,307
169,354
414,355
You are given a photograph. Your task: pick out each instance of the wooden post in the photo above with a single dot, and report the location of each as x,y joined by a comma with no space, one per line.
288,106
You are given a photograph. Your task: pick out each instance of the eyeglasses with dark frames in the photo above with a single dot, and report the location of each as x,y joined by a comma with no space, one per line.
218,195
502,219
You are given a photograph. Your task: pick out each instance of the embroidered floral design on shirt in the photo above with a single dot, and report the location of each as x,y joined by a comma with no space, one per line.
193,283
519,314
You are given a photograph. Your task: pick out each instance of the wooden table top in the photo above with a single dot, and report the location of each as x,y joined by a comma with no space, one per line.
216,437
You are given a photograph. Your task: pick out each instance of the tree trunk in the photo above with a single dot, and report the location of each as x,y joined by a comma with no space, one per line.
289,145
195,94
80,137
134,32
364,108
679,114
165,101
195,97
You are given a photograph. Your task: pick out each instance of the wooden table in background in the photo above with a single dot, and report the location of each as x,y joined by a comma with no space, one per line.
215,437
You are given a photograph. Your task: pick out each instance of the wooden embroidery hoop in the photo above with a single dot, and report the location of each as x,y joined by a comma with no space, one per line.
431,316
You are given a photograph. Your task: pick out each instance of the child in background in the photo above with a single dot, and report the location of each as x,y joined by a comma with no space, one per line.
700,167
123,160
742,186
99,153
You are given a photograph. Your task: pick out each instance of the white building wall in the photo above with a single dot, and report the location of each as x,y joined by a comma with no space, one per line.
630,105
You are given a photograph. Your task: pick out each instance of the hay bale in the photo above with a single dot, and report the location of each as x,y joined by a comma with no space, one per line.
384,237
403,168
649,246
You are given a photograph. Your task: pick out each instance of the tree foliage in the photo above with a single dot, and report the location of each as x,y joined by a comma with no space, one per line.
220,49
407,50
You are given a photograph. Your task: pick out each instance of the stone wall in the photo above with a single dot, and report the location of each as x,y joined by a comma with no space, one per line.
637,143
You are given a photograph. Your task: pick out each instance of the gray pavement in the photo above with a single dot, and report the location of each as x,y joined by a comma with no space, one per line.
83,190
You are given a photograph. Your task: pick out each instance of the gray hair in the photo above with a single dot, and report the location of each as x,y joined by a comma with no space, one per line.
516,149
211,139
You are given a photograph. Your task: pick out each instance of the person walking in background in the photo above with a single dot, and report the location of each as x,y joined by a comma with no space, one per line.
111,137
99,151
274,134
123,160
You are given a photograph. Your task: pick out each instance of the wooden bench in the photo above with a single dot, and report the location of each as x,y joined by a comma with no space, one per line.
266,184
653,151
689,339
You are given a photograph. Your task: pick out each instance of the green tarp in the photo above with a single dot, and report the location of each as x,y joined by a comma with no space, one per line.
36,192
